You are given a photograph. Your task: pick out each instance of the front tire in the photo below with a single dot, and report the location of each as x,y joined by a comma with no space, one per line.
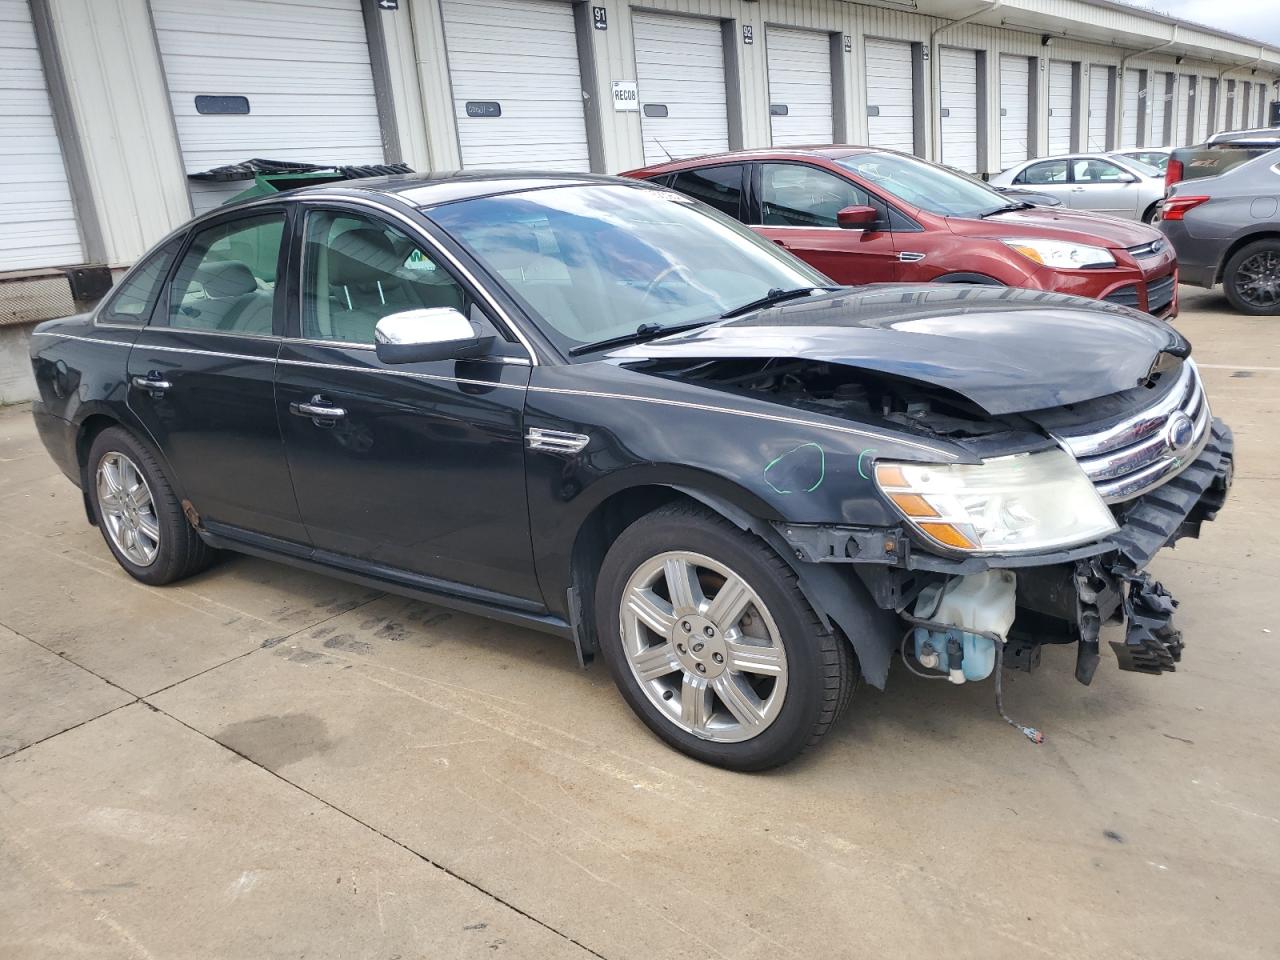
712,644
138,513
1251,279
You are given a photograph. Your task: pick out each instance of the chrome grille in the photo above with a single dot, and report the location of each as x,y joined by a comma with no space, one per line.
1131,456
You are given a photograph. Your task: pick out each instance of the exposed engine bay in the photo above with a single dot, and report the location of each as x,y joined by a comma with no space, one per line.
844,391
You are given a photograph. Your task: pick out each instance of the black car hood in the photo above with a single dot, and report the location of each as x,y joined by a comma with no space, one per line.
1006,350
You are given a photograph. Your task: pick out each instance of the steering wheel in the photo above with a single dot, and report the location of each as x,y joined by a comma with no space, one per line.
675,268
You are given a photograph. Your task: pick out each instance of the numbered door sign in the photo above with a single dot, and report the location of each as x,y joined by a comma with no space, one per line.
626,98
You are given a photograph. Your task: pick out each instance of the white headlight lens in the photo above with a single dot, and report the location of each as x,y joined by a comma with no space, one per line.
1030,501
1060,254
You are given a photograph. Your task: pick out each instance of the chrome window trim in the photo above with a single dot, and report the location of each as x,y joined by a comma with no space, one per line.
419,233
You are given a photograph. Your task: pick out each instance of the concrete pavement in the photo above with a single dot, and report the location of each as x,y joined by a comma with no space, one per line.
261,762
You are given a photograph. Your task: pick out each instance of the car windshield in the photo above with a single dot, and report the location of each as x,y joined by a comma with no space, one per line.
1142,167
605,261
925,185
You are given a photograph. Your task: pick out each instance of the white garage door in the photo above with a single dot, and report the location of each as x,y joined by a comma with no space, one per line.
1229,120
1099,106
959,82
300,69
1246,99
799,87
1158,104
1208,107
680,70
1060,114
1262,104
517,86
1130,106
891,114
37,223
1181,110
1015,110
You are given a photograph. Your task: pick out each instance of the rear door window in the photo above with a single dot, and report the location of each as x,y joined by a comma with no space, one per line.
226,281
719,187
1049,172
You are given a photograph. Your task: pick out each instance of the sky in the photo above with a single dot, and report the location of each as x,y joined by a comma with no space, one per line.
1255,19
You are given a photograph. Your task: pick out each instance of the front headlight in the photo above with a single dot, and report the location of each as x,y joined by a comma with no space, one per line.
1017,504
1060,254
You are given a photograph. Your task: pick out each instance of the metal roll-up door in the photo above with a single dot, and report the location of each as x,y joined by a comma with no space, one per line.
1099,106
1181,110
1158,104
891,107
959,88
1229,120
1262,105
680,71
37,221
1015,110
517,84
1130,104
1246,98
1209,113
1060,111
280,81
799,64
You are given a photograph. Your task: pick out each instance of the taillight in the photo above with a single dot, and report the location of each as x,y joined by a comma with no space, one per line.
1172,173
1175,208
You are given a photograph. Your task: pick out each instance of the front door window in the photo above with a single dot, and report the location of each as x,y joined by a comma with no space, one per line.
357,271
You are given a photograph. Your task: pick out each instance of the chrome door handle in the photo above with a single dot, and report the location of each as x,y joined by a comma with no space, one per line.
1077,189
153,384
322,414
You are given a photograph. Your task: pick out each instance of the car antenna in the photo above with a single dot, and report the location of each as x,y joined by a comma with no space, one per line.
663,149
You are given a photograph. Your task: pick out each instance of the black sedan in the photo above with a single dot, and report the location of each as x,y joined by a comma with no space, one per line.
598,408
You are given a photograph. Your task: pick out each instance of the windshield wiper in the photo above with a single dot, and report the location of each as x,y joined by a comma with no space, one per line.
646,331
1007,208
776,295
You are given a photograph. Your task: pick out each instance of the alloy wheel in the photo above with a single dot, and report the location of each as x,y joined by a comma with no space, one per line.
128,509
1258,279
703,647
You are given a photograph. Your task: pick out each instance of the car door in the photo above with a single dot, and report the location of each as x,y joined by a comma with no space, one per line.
795,205
1047,176
1103,187
414,470
202,374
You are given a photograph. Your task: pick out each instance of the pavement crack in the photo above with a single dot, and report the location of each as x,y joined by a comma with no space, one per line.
372,829
74,726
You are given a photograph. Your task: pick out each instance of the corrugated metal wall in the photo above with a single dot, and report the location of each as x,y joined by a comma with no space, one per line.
122,118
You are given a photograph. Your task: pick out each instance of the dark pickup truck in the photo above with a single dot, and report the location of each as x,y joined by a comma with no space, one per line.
1220,153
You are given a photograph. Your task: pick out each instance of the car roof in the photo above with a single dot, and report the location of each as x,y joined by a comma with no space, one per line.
429,189
827,151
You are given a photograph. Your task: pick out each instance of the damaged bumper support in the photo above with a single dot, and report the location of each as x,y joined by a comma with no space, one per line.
1064,596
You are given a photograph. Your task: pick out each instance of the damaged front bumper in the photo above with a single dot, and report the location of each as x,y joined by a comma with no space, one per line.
1065,596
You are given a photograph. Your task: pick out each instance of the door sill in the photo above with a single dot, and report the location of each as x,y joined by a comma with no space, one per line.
457,596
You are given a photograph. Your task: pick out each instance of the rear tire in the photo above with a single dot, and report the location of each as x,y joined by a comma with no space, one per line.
746,679
1149,216
138,513
1251,279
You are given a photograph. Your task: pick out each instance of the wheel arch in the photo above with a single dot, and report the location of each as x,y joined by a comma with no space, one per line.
831,592
981,279
87,431
1239,244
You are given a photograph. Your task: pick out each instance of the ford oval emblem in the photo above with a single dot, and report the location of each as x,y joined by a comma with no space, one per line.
1179,433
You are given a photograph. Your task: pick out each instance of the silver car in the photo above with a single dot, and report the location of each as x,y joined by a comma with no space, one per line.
1102,182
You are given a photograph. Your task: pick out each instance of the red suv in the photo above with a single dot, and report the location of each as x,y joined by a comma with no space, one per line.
862,215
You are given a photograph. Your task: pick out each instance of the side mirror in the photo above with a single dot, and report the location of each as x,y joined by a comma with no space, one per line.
435,333
857,218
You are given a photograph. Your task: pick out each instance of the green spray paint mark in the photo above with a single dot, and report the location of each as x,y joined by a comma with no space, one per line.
803,468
